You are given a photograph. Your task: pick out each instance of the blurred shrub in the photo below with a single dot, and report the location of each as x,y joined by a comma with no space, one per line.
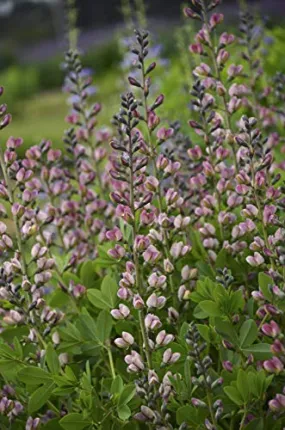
275,59
100,59
19,83
7,59
50,74
104,57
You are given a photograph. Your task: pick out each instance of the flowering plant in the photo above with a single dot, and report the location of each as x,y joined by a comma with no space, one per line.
142,283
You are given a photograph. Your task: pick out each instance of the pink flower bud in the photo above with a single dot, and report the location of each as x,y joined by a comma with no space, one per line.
195,153
222,57
168,266
202,70
163,339
226,39
118,252
255,260
157,281
33,423
151,255
115,234
151,183
178,249
135,362
215,19
155,301
138,302
152,377
198,403
271,329
5,121
152,322
170,357
164,133
125,341
228,366
121,313
196,48
274,365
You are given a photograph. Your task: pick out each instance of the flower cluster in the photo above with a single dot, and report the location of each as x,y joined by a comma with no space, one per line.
142,266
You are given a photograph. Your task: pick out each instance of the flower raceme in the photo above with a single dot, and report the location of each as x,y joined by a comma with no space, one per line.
142,284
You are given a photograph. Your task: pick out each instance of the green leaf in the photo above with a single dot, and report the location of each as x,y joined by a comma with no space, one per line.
127,394
9,368
87,326
40,397
183,414
264,281
59,299
107,297
69,276
204,331
18,348
187,376
52,424
204,290
260,351
248,333
32,375
242,385
124,412
257,424
109,289
117,385
236,302
88,276
211,308
187,414
226,330
74,422
183,330
234,395
97,299
104,326
52,360
225,259
199,314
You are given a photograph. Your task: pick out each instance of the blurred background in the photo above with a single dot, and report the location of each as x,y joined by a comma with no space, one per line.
33,41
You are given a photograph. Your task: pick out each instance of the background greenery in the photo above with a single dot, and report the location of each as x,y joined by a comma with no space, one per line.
34,92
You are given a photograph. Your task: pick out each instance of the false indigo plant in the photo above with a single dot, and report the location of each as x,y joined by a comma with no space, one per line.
142,283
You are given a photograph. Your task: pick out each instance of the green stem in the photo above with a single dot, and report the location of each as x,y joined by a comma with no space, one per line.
243,419
209,399
111,361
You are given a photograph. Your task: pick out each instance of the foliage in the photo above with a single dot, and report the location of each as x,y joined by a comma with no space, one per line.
142,282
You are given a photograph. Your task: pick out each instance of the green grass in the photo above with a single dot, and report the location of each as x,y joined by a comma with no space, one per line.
42,116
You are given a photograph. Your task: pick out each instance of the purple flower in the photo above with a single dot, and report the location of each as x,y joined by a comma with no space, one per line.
274,365
255,260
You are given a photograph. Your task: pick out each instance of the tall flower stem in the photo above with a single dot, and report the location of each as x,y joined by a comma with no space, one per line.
24,266
158,192
111,361
15,218
259,207
135,254
218,76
